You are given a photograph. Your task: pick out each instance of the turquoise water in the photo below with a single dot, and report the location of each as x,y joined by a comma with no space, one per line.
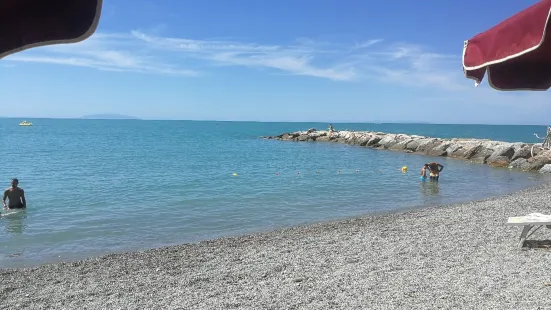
101,186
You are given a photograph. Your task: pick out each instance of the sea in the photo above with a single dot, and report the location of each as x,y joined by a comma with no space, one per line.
95,187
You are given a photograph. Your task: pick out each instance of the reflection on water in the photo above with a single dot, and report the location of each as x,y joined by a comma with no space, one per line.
430,188
13,221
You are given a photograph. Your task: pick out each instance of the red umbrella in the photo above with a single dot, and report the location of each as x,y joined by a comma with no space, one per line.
26,24
516,53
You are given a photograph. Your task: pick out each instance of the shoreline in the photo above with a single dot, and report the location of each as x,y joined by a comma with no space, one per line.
450,256
198,240
512,155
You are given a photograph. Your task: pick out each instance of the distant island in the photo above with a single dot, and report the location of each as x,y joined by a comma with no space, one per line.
108,116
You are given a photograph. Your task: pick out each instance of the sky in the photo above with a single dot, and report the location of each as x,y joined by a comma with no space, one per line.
326,60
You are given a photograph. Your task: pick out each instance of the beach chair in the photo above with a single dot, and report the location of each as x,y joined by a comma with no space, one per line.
528,222
545,145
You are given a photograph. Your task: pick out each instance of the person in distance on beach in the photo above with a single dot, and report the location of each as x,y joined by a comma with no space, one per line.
424,171
15,195
434,170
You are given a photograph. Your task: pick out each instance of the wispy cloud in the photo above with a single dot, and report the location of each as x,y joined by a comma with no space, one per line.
367,43
415,66
295,59
108,52
362,60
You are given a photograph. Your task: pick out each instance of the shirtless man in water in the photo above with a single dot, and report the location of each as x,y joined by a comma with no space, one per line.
15,195
434,169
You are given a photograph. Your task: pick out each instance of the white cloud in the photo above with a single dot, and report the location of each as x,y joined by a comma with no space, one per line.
399,63
368,43
294,59
108,52
413,65
404,64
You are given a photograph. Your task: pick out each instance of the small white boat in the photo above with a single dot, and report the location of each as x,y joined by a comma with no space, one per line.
25,123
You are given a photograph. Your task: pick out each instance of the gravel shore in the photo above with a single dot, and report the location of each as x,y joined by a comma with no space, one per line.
449,257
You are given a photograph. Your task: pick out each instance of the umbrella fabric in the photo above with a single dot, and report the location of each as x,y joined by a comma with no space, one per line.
516,53
26,24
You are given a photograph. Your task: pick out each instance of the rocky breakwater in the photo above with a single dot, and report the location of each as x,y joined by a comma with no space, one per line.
515,155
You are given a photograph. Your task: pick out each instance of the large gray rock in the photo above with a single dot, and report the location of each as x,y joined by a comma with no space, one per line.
502,151
402,138
349,138
374,140
400,146
413,144
464,149
523,152
492,145
545,153
546,169
427,145
481,155
286,136
536,151
323,139
362,140
520,163
501,156
472,151
440,150
455,150
303,138
537,162
332,136
318,134
498,161
387,141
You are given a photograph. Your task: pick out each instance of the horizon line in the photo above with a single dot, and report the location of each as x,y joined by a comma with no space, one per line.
133,118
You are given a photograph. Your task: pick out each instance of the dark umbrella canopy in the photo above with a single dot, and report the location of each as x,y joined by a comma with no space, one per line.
516,54
26,24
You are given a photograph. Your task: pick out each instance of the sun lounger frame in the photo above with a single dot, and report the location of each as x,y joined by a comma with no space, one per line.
527,227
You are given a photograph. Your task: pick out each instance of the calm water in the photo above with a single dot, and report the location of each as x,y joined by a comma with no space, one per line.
100,186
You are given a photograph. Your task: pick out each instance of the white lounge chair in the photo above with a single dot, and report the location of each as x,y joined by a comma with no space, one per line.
530,221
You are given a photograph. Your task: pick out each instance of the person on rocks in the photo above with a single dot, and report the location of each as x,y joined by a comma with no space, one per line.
15,195
434,170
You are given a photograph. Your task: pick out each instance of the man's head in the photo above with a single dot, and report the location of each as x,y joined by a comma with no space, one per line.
14,182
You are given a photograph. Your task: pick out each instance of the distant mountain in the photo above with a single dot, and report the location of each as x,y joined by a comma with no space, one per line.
108,116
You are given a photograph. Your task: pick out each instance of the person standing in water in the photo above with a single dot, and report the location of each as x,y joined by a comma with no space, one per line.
434,170
15,195
424,171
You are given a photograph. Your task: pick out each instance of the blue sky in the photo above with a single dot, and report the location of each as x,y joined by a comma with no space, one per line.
272,61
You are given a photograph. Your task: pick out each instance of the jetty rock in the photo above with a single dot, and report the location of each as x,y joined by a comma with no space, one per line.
513,155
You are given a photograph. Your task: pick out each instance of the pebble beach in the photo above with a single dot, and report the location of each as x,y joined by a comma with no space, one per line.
442,257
